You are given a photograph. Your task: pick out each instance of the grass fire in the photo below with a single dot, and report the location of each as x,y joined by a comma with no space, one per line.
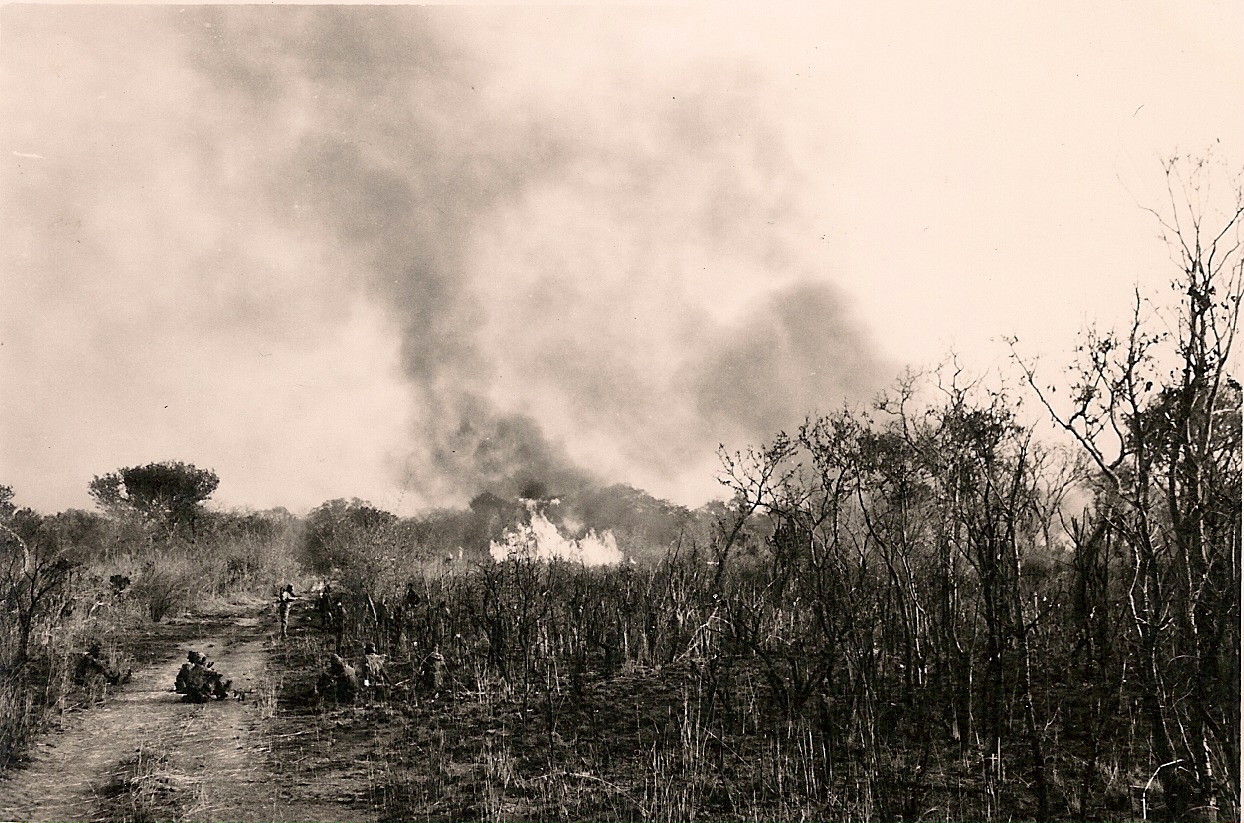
690,413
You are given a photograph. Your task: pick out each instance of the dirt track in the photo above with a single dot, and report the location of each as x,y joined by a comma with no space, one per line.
193,762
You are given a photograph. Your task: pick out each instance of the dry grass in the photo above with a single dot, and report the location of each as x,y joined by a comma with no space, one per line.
648,744
145,788
570,735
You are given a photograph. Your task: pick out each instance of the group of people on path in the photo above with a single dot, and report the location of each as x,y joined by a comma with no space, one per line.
341,679
198,681
329,605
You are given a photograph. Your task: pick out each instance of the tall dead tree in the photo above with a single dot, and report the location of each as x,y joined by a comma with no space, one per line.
1157,411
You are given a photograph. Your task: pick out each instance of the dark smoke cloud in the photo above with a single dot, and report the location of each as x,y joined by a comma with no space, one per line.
591,280
395,158
798,353
507,454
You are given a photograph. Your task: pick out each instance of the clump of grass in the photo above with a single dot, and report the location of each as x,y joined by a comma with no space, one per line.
166,585
498,773
267,698
20,719
145,789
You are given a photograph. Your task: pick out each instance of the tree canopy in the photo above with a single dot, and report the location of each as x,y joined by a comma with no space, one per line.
335,526
6,501
170,494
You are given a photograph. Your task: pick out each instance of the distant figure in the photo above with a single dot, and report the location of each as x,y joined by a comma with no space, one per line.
432,672
339,621
413,600
373,668
325,607
408,610
285,602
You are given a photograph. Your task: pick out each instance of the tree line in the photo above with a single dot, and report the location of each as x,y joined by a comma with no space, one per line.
947,605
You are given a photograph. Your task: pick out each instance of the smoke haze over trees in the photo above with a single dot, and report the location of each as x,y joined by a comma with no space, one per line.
525,257
485,294
402,252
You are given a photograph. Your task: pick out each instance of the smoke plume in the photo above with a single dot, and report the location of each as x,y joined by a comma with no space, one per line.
592,266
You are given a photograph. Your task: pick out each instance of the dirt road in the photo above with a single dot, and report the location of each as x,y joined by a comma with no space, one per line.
147,753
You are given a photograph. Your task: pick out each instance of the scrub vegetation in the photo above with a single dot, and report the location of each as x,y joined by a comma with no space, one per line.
930,609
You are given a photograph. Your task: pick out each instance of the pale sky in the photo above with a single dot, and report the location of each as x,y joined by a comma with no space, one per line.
407,254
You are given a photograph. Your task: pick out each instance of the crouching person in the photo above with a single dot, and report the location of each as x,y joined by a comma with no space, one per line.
198,682
94,671
432,672
340,681
374,674
182,685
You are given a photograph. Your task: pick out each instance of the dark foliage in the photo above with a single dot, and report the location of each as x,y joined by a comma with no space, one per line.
169,494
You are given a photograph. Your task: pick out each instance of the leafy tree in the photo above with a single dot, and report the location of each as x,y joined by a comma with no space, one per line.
169,494
6,501
333,527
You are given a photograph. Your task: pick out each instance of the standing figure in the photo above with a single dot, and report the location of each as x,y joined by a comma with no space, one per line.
373,667
432,672
285,602
339,622
325,606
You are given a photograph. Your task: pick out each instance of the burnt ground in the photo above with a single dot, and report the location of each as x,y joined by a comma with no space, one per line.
675,742
634,746
639,744
144,754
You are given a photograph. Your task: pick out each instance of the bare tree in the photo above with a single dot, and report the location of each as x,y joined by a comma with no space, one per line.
1157,412
35,574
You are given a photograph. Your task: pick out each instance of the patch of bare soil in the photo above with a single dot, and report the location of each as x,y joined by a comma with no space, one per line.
147,755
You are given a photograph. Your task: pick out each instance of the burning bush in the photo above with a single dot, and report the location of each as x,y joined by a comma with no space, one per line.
540,539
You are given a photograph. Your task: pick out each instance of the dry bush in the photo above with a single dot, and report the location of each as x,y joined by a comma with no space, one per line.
167,584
